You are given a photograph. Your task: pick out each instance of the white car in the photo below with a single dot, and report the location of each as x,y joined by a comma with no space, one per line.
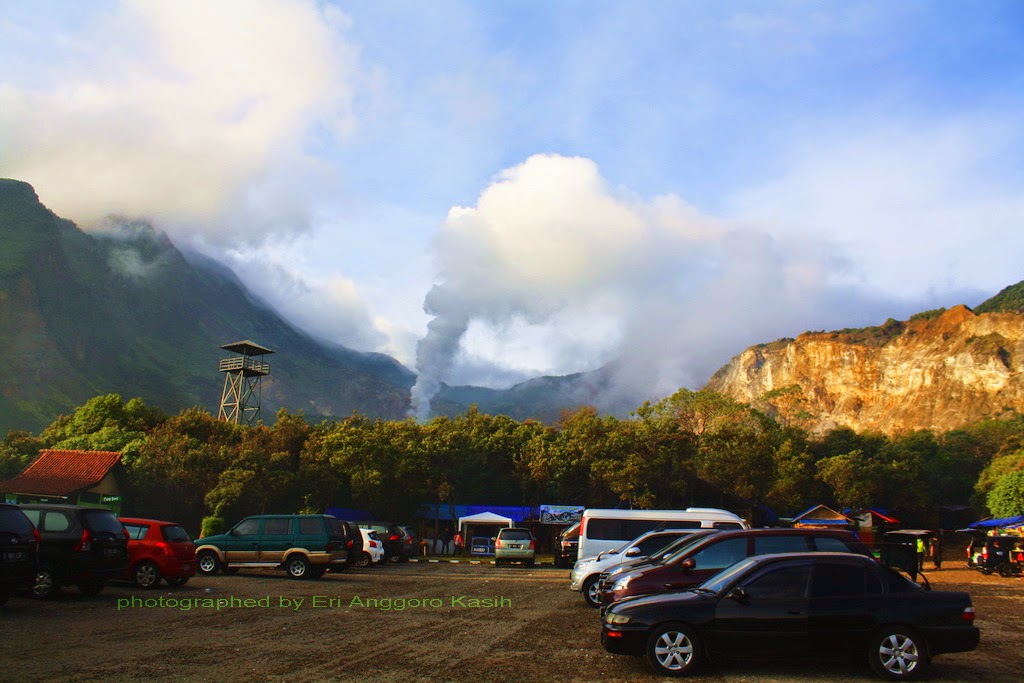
373,549
586,573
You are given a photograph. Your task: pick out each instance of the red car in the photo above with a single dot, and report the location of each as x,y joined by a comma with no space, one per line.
158,550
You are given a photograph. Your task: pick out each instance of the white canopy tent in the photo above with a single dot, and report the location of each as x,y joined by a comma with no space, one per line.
484,543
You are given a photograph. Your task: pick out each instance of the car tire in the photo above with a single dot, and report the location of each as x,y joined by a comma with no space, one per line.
298,567
364,560
590,591
898,653
207,562
45,586
673,650
1005,570
180,581
146,574
91,588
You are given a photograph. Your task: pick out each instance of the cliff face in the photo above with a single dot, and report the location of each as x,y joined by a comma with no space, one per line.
933,372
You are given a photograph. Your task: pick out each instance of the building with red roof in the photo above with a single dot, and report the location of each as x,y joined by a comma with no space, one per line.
88,478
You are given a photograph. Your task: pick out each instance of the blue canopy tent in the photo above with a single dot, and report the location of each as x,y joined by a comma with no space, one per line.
998,523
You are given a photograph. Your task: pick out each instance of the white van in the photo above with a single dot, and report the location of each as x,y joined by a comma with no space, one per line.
602,529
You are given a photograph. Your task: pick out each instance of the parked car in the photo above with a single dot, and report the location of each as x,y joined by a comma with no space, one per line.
411,541
695,563
607,529
305,546
566,546
609,575
1001,554
514,544
353,545
795,607
395,547
373,549
158,551
19,542
77,545
586,573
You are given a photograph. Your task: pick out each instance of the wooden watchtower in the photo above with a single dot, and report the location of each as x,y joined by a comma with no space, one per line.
240,400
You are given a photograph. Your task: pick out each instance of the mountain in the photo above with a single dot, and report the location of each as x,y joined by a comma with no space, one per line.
126,312
939,370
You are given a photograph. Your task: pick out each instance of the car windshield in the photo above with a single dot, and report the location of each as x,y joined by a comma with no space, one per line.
725,577
15,520
174,534
102,520
514,535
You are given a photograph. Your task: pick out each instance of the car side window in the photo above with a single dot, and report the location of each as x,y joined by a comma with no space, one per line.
653,543
33,516
780,583
136,532
55,521
838,580
248,527
309,526
276,526
766,545
830,544
722,554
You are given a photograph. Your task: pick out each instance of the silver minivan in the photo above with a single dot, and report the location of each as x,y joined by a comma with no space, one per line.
514,544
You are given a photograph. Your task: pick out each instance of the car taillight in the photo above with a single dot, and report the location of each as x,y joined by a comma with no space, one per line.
126,536
165,548
393,537
35,534
531,544
86,541
497,543
350,544
984,552
967,615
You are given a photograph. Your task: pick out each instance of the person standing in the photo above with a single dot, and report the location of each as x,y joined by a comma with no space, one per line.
458,543
446,541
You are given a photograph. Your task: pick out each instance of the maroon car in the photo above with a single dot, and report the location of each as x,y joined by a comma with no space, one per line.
696,562
158,550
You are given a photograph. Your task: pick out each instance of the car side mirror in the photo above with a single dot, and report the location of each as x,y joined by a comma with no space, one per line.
688,565
739,594
633,552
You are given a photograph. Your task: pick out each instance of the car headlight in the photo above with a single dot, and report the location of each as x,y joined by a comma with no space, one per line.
621,584
613,618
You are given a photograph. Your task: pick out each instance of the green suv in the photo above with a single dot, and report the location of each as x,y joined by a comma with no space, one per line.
305,546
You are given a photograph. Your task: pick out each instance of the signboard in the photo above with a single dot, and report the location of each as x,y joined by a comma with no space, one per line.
561,514
110,499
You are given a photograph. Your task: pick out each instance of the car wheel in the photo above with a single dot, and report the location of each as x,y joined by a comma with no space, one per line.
146,575
298,567
181,581
673,650
1005,570
45,586
898,654
592,591
364,560
207,562
91,588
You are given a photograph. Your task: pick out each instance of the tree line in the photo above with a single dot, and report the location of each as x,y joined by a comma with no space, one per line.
691,448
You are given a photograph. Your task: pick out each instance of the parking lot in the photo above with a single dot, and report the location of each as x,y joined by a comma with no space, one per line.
408,622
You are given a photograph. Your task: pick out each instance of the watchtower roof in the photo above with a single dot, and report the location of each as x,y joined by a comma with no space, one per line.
247,348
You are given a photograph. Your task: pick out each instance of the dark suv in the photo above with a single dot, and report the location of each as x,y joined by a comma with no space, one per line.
567,545
18,543
395,547
1002,554
77,545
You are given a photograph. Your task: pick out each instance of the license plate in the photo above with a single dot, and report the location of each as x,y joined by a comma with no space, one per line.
515,546
111,552
14,556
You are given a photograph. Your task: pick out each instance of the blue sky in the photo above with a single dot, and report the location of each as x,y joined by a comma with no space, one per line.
562,184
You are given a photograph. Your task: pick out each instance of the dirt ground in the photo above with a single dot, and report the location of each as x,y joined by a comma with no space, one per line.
459,623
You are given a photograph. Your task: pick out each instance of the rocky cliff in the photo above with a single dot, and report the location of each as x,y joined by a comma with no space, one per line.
939,370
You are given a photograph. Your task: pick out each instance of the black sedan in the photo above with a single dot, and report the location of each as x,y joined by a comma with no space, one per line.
795,606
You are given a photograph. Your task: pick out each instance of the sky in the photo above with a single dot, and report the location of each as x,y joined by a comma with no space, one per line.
493,191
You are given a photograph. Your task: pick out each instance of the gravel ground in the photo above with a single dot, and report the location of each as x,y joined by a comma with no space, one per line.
408,622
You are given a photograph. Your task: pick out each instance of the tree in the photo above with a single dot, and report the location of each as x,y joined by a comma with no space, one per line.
1006,499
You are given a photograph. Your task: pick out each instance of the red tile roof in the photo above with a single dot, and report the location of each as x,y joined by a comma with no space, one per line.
59,473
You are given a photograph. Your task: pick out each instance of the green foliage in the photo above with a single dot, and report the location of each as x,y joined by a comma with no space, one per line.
1008,300
212,525
1006,499
927,315
17,451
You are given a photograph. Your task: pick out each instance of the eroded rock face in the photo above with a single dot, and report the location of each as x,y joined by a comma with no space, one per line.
938,373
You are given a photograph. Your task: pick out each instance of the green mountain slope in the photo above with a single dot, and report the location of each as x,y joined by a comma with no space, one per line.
1009,300
82,315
